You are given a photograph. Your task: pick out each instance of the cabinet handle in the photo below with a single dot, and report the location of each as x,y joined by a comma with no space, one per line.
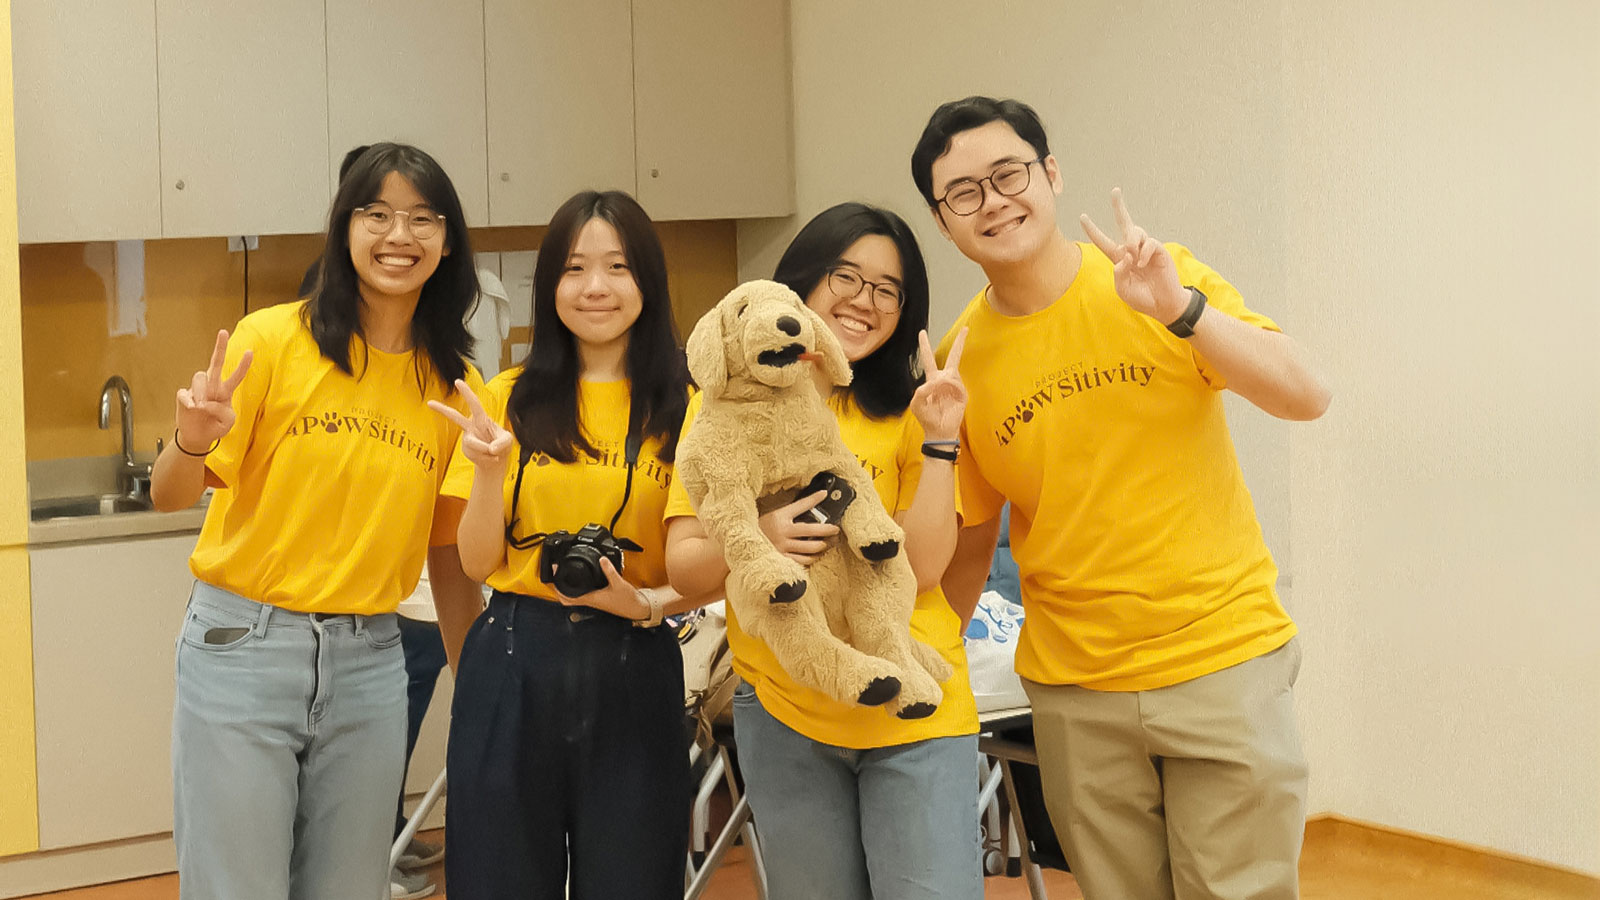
655,173
179,185
505,176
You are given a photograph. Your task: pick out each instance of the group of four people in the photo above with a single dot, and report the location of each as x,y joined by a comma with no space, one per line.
350,441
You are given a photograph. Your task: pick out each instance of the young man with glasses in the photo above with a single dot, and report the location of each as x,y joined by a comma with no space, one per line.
1155,653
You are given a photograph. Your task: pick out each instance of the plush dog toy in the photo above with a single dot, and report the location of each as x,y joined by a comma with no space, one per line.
841,625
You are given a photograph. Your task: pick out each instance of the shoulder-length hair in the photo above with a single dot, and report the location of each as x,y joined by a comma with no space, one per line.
543,407
438,327
884,380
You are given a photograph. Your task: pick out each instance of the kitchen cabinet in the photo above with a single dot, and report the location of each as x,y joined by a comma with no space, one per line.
416,77
560,103
88,147
712,108
105,623
244,117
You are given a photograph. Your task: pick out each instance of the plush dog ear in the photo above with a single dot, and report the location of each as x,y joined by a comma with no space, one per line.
834,362
708,360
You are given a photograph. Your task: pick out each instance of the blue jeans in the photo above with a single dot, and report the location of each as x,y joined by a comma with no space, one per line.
288,744
891,823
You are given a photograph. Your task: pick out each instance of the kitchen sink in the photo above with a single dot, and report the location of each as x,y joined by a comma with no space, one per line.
93,505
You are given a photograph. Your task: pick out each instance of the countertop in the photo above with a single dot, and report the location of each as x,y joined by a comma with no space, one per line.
115,525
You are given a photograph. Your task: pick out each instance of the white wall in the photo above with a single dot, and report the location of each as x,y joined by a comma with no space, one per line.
1415,194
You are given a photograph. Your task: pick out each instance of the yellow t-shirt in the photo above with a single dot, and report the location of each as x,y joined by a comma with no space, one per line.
567,496
329,479
1141,559
891,452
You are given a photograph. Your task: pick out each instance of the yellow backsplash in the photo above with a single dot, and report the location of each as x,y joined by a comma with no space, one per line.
193,287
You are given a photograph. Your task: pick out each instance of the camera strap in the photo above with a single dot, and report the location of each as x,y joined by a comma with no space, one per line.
630,450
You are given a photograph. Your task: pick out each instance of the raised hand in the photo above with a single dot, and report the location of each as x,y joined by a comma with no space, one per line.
1146,277
941,399
802,542
205,407
484,443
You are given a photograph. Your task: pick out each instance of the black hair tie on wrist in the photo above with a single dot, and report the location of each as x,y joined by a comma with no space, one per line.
187,452
940,450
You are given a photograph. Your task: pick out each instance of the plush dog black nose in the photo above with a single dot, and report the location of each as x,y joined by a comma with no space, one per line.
789,325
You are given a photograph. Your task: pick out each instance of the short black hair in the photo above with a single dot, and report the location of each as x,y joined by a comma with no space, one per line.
438,329
543,406
882,382
952,118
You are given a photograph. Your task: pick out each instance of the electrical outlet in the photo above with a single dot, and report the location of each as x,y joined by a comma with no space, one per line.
238,244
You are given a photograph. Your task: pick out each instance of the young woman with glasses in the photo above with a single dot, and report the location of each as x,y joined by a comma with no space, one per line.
290,719
568,749
850,802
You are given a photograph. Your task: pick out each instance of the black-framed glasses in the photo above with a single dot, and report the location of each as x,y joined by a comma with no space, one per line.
379,218
966,197
846,284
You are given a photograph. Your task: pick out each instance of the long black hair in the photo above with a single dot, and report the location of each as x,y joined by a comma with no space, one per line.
883,381
438,327
543,406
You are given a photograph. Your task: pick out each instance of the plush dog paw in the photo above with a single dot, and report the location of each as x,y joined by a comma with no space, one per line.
879,691
789,592
880,551
916,711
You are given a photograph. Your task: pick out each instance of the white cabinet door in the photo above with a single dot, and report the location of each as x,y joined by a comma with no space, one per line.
560,99
88,147
105,626
711,89
411,72
244,117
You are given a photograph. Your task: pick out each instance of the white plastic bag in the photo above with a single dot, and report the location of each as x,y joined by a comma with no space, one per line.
991,642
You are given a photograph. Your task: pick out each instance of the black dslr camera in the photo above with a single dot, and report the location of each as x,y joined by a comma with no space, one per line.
830,508
571,562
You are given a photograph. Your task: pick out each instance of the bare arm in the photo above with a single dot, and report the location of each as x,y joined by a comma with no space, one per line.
457,598
481,536
1265,367
1262,366
969,567
696,566
930,523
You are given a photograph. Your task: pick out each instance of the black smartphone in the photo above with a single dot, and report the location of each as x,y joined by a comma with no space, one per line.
831,507
225,635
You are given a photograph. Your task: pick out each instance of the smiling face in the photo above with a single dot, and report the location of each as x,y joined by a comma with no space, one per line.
597,297
859,322
1004,230
393,266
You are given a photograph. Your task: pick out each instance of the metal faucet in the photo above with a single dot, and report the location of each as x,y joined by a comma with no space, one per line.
132,472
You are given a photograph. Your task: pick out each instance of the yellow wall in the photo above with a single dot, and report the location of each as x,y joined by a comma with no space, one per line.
19,818
194,287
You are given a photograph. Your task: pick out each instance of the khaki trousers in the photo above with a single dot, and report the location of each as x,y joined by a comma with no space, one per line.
1188,792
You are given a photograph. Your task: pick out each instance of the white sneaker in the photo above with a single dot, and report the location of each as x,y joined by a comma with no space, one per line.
409,887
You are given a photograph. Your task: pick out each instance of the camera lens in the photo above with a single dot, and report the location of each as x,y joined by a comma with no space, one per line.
579,572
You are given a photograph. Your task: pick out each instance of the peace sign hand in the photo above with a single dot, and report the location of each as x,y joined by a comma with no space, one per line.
941,400
1146,277
205,407
483,442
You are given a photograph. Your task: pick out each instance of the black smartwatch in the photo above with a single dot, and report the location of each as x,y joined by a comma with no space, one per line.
1184,326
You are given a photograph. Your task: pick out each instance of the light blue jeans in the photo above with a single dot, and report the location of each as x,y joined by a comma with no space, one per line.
891,823
288,749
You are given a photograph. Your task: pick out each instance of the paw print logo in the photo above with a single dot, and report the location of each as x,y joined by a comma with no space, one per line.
330,422
1025,411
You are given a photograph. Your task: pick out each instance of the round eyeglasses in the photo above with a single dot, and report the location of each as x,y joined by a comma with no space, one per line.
379,219
846,284
966,196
